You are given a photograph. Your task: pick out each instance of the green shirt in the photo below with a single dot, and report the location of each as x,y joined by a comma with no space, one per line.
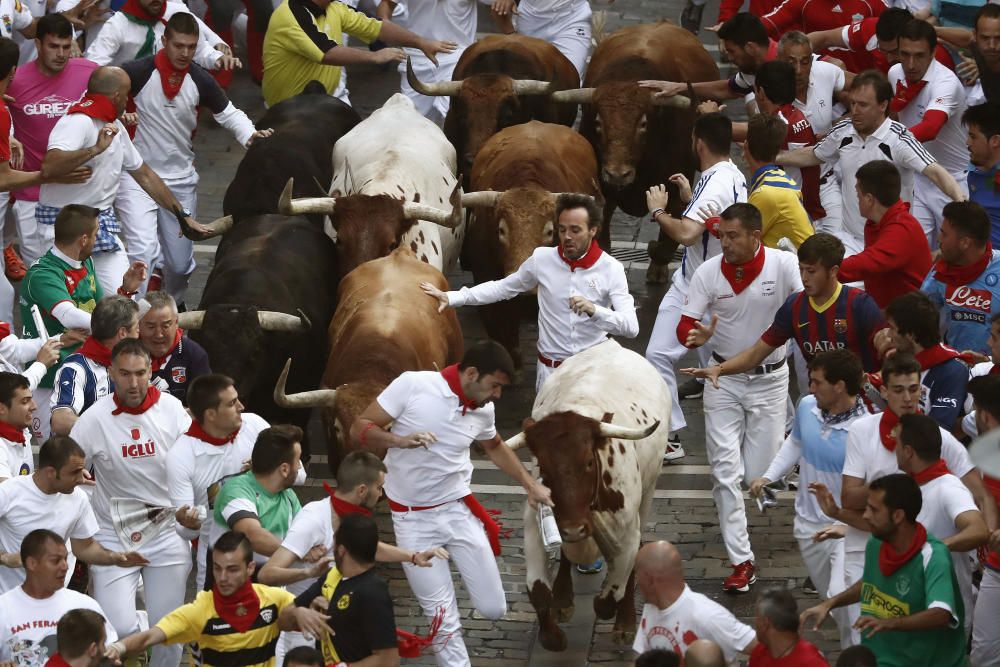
242,497
49,282
925,581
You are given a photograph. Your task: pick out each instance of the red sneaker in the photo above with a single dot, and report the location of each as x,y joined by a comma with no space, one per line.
13,265
744,575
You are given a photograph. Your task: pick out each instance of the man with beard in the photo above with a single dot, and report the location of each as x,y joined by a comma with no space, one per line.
983,124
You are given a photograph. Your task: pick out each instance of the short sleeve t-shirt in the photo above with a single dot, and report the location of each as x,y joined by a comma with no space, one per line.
803,654
15,458
312,526
28,625
243,497
721,186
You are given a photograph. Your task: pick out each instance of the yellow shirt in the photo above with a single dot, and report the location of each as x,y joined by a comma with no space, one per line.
779,201
221,645
298,36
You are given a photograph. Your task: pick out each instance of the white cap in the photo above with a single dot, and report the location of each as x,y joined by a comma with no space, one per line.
985,453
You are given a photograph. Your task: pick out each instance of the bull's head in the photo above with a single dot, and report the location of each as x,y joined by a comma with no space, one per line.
622,113
574,456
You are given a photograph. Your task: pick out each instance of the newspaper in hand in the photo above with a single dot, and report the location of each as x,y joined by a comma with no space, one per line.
137,523
36,317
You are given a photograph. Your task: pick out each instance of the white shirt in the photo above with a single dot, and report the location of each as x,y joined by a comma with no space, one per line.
891,141
561,332
441,472
73,132
24,507
692,616
15,457
28,625
311,526
825,81
943,92
14,15
745,316
721,185
16,352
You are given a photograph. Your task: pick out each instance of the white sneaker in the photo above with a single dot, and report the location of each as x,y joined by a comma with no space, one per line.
674,450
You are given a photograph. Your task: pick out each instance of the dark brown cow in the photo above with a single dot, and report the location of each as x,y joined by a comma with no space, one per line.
384,325
515,176
641,141
499,81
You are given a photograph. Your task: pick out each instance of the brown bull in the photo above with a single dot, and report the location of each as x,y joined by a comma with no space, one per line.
640,140
516,176
384,325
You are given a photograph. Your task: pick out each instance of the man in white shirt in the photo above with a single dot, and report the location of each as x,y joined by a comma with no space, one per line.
745,415
126,437
17,409
30,613
721,185
435,418
582,291
566,24
674,616
871,134
930,101
39,355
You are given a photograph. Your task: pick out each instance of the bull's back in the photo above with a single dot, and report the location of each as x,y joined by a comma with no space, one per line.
553,157
520,57
661,50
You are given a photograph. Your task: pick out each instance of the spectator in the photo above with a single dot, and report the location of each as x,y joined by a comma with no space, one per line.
177,360
819,85
983,123
778,640
857,656
704,653
912,610
303,656
658,657
17,410
16,352
80,639
30,613
985,47
363,627
895,258
963,284
674,614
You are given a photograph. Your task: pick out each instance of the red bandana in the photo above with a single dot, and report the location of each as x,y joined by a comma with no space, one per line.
588,260
11,432
494,530
411,645
905,92
889,560
938,354
133,8
152,396
157,362
886,423
171,78
97,106
741,275
240,609
196,431
342,507
56,660
96,352
958,276
450,375
4,330
937,469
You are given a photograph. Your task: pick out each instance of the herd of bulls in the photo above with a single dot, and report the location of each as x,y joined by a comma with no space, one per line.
333,222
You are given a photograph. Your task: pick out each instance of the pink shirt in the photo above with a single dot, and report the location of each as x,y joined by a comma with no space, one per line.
40,101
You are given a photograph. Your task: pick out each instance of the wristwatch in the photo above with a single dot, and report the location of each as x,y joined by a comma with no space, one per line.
186,213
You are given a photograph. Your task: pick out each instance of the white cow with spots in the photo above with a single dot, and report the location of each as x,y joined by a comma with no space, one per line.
599,430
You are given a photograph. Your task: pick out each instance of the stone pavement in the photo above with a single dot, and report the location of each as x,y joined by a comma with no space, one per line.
683,512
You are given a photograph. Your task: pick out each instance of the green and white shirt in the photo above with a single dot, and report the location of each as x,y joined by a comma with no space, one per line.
243,497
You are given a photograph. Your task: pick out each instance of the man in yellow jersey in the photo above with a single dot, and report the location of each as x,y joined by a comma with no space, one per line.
235,623
300,45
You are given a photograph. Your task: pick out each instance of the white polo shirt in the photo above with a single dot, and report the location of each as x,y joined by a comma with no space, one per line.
692,616
891,141
825,81
23,508
28,625
15,457
441,472
721,185
943,92
745,316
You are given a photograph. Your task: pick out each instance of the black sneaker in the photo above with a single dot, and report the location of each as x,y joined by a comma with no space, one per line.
690,389
808,587
690,18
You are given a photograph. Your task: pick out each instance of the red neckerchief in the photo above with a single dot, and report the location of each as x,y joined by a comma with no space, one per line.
342,507
957,276
240,609
886,423
4,330
937,469
889,560
152,396
73,277
157,362
589,258
196,431
411,645
96,352
171,78
930,357
740,276
450,375
133,8
97,106
995,370
905,92
11,432
56,660
494,529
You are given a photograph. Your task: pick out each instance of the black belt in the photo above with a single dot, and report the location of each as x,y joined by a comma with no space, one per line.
763,369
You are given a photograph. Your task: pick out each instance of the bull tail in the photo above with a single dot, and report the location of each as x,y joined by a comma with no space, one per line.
598,27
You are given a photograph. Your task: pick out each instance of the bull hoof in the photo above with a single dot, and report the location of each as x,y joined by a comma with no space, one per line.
553,640
657,274
605,607
565,614
623,636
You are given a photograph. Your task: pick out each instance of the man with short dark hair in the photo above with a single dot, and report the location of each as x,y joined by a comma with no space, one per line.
657,657
80,639
177,359
983,123
778,641
303,656
17,409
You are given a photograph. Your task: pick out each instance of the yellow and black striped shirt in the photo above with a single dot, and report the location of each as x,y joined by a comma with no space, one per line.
221,645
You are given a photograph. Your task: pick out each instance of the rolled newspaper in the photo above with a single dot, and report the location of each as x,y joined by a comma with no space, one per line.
36,317
137,523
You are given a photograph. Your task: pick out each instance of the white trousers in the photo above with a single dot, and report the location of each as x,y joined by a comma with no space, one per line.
832,200
929,202
110,268
542,373
854,569
433,108
115,589
152,232
41,425
453,527
568,30
35,239
744,427
985,626
825,564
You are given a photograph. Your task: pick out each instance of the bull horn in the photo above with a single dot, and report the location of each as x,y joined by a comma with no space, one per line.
517,442
483,198
573,96
414,211
190,320
676,101
532,87
442,89
218,227
627,432
303,399
271,320
303,205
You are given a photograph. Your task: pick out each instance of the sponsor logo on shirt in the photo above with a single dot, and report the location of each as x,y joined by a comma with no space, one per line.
821,346
139,450
800,126
52,106
966,297
880,604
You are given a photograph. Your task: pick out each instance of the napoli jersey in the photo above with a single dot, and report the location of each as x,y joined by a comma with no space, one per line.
966,310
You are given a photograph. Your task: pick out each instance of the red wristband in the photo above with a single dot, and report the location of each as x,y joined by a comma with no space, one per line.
363,436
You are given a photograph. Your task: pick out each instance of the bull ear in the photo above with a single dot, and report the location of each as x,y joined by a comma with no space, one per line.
608,416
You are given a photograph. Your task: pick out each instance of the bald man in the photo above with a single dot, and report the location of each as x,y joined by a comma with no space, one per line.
674,615
704,653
